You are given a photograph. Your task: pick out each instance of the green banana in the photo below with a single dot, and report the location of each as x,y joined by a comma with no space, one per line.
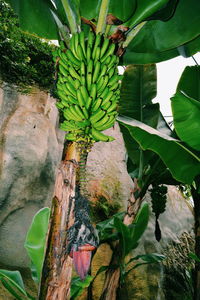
73,110
62,70
96,71
97,116
93,91
80,53
74,74
109,52
96,104
104,46
82,42
88,54
88,86
112,107
100,123
90,39
72,58
71,136
99,136
80,98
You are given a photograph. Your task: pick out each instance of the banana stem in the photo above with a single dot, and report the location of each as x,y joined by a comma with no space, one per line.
101,24
132,33
107,30
70,16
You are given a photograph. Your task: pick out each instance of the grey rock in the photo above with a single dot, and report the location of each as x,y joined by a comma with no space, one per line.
30,150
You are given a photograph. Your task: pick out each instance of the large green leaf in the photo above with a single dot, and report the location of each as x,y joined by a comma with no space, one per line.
189,82
144,10
190,48
35,17
186,115
13,282
36,239
140,224
138,89
124,236
78,285
160,37
134,57
183,164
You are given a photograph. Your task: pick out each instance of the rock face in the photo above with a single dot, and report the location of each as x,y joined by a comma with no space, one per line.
30,150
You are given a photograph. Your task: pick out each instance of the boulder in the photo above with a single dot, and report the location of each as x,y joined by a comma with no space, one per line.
30,150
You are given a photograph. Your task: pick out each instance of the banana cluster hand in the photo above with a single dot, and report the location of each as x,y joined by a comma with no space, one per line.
88,87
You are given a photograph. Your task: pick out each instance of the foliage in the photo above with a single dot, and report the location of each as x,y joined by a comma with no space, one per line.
171,28
186,107
35,241
108,230
24,59
157,137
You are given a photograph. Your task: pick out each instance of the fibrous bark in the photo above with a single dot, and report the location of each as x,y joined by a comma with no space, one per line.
113,275
57,269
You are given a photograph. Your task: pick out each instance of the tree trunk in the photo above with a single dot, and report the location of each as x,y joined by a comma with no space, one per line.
57,268
196,199
113,276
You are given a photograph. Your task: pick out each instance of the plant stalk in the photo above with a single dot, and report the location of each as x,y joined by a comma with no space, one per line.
57,267
132,33
70,16
196,199
112,280
101,24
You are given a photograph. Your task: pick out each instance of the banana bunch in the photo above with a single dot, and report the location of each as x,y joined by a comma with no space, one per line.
88,87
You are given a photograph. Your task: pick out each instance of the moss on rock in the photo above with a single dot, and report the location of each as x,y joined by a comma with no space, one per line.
25,60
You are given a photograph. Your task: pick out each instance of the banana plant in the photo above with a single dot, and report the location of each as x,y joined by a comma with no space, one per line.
95,37
148,140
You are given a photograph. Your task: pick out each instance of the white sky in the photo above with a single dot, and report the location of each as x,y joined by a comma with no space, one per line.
168,75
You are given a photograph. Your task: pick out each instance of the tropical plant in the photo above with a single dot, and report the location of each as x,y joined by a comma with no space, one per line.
95,37
148,145
109,230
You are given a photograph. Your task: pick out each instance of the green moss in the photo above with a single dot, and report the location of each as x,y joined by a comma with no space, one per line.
103,209
25,60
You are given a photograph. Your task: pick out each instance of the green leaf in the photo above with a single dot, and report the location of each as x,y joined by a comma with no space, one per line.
194,256
157,37
138,88
186,115
36,239
124,236
183,164
189,82
190,48
35,17
133,57
144,10
122,9
149,258
105,228
78,285
140,224
13,279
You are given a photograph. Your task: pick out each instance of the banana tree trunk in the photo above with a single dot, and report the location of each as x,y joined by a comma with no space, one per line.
112,280
57,268
196,199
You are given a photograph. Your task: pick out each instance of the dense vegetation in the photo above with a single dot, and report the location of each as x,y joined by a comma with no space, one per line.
24,59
